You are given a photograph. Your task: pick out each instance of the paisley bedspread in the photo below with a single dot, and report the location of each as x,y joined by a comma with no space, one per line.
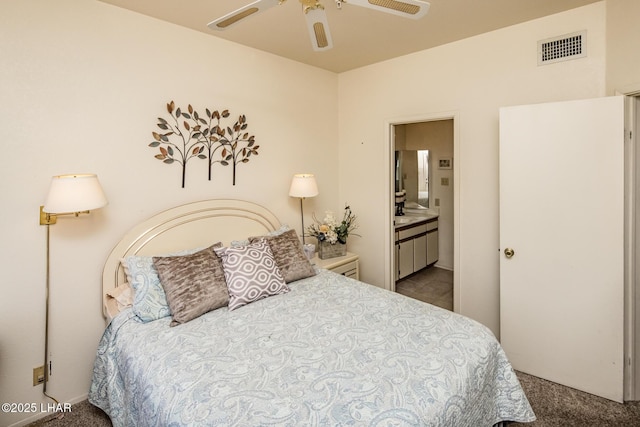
332,352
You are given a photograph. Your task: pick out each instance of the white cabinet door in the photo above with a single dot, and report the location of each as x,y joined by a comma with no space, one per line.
432,247
405,258
420,252
562,213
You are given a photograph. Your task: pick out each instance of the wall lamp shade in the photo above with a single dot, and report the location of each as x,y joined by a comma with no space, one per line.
74,193
303,185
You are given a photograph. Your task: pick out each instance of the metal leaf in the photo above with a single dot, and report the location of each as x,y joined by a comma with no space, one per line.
225,113
156,136
178,112
159,157
163,127
154,144
245,160
186,125
170,107
168,161
202,156
224,163
170,150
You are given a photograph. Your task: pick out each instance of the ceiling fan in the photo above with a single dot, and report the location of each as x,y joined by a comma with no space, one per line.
316,17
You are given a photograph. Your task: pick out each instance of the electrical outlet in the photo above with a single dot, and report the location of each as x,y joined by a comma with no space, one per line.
38,375
437,202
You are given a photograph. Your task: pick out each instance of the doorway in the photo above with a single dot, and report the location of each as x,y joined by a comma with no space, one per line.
438,192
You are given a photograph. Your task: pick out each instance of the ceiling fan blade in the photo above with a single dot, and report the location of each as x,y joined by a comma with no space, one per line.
251,9
318,28
414,9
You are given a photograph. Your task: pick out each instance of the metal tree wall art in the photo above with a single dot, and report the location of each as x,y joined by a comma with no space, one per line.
229,140
202,137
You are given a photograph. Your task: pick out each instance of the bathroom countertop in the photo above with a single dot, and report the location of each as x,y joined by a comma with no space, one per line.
411,219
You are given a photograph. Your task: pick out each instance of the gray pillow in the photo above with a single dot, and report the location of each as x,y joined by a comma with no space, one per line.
290,258
194,284
251,273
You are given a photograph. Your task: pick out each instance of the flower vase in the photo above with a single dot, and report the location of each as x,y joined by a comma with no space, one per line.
327,250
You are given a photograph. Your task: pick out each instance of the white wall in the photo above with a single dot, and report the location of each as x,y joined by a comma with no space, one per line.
623,55
81,86
471,79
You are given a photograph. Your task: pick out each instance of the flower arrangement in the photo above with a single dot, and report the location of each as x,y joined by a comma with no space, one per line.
332,231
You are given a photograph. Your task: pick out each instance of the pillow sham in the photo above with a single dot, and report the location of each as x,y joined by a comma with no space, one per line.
289,256
149,299
122,295
251,273
194,284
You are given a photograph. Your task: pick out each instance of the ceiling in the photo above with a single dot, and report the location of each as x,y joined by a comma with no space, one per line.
361,36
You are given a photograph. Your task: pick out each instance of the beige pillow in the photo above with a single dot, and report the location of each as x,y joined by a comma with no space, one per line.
194,284
290,258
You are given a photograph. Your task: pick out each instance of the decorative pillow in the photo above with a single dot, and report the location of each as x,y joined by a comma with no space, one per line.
149,299
282,229
194,284
290,258
251,273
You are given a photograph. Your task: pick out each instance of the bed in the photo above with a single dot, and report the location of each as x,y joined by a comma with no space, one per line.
324,350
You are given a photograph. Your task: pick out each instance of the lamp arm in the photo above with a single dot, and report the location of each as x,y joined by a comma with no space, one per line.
47,218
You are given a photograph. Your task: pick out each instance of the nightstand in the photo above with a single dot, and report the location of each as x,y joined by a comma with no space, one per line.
347,265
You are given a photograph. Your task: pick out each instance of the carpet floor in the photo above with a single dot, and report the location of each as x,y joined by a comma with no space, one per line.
554,405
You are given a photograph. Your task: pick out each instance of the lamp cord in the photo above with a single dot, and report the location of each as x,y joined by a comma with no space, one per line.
47,368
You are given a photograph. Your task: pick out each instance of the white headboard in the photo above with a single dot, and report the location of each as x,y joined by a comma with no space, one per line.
193,225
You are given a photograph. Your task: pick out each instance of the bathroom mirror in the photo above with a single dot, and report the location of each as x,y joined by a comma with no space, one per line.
412,173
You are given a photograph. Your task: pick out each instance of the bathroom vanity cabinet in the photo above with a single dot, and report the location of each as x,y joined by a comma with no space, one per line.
416,242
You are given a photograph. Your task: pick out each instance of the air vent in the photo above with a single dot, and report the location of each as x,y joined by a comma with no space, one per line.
563,48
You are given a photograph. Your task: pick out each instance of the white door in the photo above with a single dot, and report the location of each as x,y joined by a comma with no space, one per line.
562,214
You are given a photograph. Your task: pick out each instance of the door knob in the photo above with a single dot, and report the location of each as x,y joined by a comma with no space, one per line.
508,252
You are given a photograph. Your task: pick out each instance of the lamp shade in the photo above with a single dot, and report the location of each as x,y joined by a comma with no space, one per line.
74,193
303,185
